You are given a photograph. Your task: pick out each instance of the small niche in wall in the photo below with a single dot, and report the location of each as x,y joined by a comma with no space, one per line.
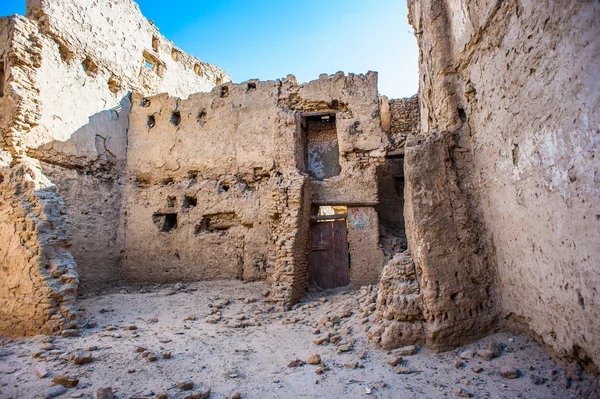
175,54
197,70
217,223
165,222
251,86
219,81
201,117
154,43
89,66
151,121
189,201
2,78
224,91
171,201
176,118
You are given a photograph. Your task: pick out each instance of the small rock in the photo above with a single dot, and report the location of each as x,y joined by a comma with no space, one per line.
178,286
41,372
296,363
406,350
70,333
93,348
166,355
394,360
141,349
496,348
191,317
115,335
198,394
314,359
105,393
467,355
164,340
265,293
477,369
322,339
458,391
82,358
55,391
317,331
161,395
351,365
153,320
509,372
65,381
151,356
459,364
402,370
235,395
486,354
185,385
131,327
536,379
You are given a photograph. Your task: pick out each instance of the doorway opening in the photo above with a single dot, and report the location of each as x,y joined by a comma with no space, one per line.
390,187
322,155
329,250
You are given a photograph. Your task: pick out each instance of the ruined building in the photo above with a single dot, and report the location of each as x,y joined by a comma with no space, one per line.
123,159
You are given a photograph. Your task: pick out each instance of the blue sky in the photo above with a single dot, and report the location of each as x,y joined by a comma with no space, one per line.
268,39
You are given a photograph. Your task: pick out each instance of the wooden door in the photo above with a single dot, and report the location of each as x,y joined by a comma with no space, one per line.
330,253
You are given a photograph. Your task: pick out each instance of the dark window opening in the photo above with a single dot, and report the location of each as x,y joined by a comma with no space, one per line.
176,118
189,201
322,148
201,117
224,91
165,222
154,64
151,121
251,86
224,188
462,115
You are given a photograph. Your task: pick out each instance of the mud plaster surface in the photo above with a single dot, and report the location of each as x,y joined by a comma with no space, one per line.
254,360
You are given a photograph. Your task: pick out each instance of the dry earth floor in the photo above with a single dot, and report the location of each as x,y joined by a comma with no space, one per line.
226,337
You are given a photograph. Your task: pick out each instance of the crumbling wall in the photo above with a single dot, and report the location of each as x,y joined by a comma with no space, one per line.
38,275
84,58
238,154
516,86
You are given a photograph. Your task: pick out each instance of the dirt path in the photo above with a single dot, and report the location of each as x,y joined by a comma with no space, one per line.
224,336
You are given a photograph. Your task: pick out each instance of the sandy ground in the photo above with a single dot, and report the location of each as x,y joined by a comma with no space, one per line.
226,337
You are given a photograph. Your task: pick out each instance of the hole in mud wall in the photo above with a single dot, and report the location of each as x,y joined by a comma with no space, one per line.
219,81
113,85
197,70
462,115
322,150
201,117
189,201
2,78
251,86
224,188
176,118
217,223
1,179
151,121
154,43
65,54
89,66
224,91
175,54
165,222
171,201
390,190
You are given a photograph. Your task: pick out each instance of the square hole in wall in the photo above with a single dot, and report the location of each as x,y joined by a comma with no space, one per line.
165,222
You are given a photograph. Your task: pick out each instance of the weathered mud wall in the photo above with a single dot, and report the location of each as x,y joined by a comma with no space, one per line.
89,56
516,84
216,184
66,74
